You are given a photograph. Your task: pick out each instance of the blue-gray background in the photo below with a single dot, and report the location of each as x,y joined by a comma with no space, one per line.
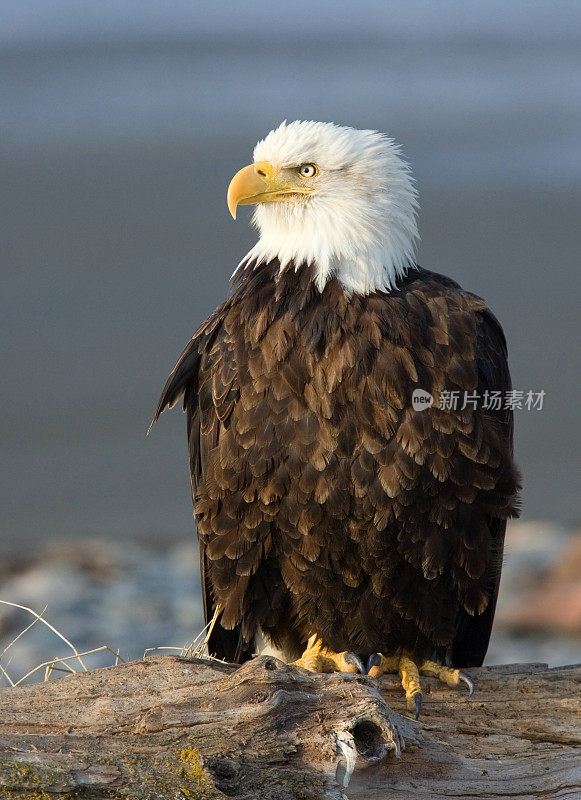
122,122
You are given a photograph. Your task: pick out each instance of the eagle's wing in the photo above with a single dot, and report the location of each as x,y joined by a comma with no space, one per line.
191,376
473,632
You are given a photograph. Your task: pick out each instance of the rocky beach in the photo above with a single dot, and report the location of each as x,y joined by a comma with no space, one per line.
134,597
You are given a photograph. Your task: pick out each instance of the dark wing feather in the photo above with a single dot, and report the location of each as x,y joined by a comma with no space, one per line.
185,380
473,632
185,372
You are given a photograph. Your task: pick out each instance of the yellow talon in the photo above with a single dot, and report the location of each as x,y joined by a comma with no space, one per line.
311,659
451,677
410,676
381,664
318,658
410,680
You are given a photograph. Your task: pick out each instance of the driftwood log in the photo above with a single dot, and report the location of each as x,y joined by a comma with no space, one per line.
190,729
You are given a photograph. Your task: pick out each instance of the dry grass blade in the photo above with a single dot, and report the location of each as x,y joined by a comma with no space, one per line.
39,618
210,627
149,650
7,676
197,648
53,668
50,666
28,627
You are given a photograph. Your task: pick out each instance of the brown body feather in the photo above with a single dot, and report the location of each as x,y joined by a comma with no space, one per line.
324,503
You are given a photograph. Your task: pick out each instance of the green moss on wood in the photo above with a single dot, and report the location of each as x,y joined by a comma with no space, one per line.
199,785
32,779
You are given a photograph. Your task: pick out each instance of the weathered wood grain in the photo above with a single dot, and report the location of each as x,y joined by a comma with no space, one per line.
168,727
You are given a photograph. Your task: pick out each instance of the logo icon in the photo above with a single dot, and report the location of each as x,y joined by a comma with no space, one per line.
421,400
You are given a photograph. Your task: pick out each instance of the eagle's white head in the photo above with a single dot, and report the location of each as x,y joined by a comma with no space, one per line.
338,198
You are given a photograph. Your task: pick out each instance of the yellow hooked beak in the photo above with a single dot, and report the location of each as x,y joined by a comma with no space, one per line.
263,183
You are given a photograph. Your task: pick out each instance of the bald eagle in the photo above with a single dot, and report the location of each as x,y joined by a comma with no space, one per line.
347,527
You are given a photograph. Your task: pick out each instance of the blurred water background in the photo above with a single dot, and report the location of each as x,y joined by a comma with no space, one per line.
121,124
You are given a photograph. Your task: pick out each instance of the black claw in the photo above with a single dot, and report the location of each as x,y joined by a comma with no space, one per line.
468,681
353,658
418,703
374,660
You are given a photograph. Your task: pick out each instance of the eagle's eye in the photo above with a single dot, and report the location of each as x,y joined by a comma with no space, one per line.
308,170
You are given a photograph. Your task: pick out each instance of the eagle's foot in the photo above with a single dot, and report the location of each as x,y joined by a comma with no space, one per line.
318,658
410,673
451,677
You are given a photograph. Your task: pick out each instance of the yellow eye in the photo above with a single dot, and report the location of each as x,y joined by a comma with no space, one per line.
308,170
